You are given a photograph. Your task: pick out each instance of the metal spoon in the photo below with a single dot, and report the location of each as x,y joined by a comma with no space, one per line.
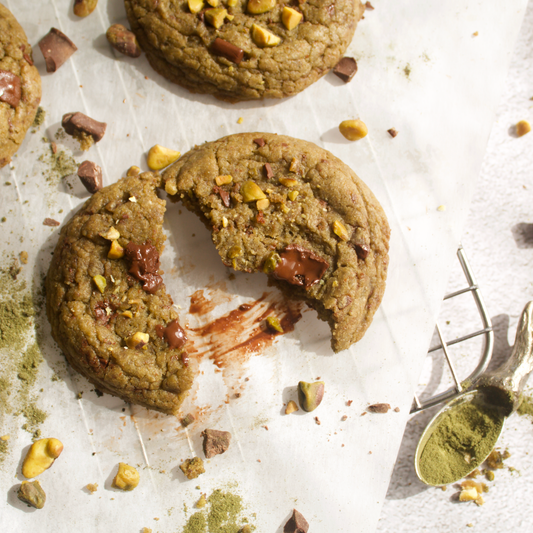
499,390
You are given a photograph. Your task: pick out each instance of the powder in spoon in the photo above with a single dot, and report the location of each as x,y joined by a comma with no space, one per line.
465,435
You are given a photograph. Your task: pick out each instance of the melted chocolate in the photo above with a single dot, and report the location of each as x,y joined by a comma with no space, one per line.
10,91
175,335
144,265
299,266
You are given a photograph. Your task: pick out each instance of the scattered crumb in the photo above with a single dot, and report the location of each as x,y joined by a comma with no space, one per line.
475,34
441,208
349,402
378,408
344,418
240,121
51,222
396,409
392,132
24,258
369,7
522,127
92,487
317,421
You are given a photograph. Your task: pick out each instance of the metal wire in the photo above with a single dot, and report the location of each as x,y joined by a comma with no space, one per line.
488,344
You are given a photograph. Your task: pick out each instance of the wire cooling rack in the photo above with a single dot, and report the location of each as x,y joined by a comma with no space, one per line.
486,332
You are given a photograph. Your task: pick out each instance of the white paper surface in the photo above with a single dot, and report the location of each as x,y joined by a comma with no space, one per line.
422,72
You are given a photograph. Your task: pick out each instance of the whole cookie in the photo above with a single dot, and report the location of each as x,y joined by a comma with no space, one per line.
294,211
227,52
106,302
20,86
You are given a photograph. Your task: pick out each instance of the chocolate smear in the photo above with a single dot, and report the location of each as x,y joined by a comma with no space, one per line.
90,175
296,524
174,334
10,91
77,123
215,442
144,265
300,266
346,69
56,48
227,50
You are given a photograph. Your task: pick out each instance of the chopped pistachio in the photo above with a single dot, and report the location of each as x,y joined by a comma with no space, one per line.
262,204
291,408
100,282
290,17
340,230
127,477
195,6
264,38
160,157
251,191
216,16
138,340
133,171
116,251
256,7
274,323
111,234
353,130
271,262
223,180
235,251
224,222
288,182
292,195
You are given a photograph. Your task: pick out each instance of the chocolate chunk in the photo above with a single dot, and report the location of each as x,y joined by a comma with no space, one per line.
369,6
144,265
224,195
56,48
296,524
346,69
187,420
51,222
173,334
77,123
299,266
90,175
392,132
227,50
260,142
268,171
10,91
215,442
378,408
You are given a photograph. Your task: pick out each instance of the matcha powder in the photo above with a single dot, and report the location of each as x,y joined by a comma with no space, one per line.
464,437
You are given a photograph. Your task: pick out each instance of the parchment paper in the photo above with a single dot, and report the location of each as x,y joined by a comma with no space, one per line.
431,70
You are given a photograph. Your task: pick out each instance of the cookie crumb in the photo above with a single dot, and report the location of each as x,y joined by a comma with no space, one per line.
51,222
392,132
240,120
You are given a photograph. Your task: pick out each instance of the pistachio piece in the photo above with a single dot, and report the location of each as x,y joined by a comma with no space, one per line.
271,262
256,7
467,495
290,17
288,182
138,340
291,407
232,3
262,204
192,468
127,477
100,283
160,157
224,222
41,456
127,314
340,230
273,323
133,171
112,234
216,16
310,395
201,503
353,130
235,251
32,493
123,40
195,6
264,38
223,180
522,128
83,8
116,251
292,195
213,3
171,188
284,208
251,191
295,165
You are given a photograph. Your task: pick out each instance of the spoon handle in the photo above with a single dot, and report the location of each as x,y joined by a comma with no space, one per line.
509,379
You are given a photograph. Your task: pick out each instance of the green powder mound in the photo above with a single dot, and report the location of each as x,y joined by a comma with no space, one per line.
15,317
197,524
526,407
222,515
59,165
28,366
464,437
39,117
3,449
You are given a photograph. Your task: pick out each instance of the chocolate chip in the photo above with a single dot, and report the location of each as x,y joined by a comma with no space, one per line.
296,524
215,442
346,69
174,335
187,420
77,123
227,50
299,266
369,6
331,10
56,48
260,142
51,222
362,250
10,88
378,408
392,132
268,171
144,265
90,175
224,195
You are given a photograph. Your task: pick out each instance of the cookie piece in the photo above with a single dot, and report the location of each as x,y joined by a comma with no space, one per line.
188,49
20,86
293,210
106,302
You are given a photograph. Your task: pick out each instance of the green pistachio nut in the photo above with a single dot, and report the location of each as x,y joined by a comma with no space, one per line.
271,262
310,395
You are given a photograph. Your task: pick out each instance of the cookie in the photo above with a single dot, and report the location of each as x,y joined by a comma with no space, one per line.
106,301
20,86
236,50
290,209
